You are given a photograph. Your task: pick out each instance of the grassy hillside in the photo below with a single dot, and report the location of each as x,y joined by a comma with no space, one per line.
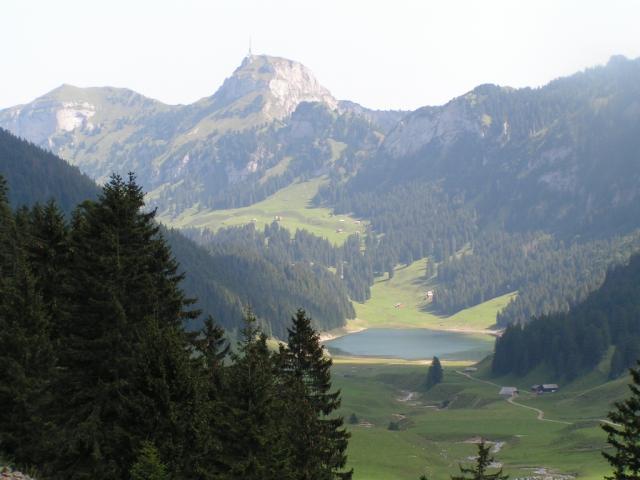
408,287
291,204
435,440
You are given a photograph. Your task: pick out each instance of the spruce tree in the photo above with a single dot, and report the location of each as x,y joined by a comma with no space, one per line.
318,438
125,368
27,358
148,465
7,233
624,434
253,441
479,470
211,349
48,251
212,345
434,374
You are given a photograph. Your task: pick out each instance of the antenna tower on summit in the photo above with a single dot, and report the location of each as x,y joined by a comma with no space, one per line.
249,54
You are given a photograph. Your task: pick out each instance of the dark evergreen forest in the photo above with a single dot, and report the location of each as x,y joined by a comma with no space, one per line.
576,341
269,271
225,283
99,376
36,175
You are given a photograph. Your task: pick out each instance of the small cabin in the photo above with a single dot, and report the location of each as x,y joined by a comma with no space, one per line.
470,370
509,391
545,388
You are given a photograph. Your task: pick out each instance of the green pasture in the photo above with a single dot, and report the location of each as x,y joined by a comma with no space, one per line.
292,205
434,440
407,288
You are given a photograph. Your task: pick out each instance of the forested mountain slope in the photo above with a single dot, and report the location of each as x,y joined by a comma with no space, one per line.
563,157
573,342
545,183
36,175
528,190
225,283
227,277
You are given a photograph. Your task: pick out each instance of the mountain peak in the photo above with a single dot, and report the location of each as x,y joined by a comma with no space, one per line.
273,85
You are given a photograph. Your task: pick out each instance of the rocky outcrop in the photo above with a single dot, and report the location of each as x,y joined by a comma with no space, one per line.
278,84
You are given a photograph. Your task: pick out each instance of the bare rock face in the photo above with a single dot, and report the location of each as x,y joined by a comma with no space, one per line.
41,120
462,116
277,85
68,110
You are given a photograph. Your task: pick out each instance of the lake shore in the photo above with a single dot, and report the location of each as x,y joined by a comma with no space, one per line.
358,325
411,344
373,360
334,333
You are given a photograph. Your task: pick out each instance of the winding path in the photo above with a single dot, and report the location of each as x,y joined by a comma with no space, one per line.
540,413
477,379
537,410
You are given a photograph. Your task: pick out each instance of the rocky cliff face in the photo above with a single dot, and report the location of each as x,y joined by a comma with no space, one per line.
276,86
68,110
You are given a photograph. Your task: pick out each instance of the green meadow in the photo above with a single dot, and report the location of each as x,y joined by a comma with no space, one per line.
401,302
437,428
291,205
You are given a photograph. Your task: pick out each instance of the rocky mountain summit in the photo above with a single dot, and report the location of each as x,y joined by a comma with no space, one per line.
538,156
272,86
270,122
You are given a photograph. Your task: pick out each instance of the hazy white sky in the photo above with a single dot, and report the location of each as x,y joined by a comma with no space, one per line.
382,54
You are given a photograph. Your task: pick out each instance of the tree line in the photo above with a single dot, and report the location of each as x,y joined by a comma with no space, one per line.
472,263
38,175
550,275
269,271
576,341
99,379
344,268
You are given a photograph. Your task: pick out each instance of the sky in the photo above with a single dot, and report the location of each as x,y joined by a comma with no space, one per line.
392,54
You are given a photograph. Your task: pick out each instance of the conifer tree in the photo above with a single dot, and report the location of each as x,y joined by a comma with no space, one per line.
479,471
212,345
148,465
7,232
211,409
48,251
126,375
254,445
624,434
27,356
434,374
318,438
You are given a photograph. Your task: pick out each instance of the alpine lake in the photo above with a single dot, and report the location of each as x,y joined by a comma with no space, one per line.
412,344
